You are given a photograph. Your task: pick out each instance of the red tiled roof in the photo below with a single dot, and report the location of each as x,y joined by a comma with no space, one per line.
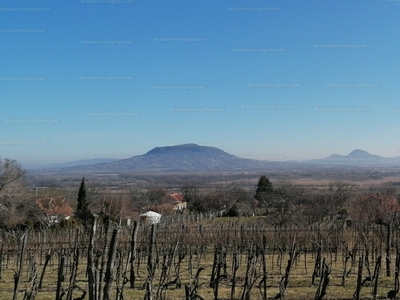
177,197
55,206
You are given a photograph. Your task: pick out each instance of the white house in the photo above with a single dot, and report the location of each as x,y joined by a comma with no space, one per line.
150,217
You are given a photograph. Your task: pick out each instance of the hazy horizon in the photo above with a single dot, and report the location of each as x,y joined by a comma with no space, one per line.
284,79
266,157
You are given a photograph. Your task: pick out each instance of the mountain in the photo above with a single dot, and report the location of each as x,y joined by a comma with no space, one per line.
195,158
184,158
178,158
188,149
357,157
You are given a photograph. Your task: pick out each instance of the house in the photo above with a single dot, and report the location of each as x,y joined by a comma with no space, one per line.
177,201
55,209
150,217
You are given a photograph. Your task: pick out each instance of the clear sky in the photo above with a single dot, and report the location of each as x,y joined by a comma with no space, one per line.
257,78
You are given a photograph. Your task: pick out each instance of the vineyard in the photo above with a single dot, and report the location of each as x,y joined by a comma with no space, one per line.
200,258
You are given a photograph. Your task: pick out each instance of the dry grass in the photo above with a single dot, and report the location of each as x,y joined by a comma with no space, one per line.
300,286
221,231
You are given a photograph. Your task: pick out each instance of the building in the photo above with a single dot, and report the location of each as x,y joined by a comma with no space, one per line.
178,203
55,209
150,217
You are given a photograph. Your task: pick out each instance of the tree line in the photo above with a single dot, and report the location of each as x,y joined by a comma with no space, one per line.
283,198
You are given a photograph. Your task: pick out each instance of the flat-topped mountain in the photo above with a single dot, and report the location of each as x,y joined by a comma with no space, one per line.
190,150
179,158
188,157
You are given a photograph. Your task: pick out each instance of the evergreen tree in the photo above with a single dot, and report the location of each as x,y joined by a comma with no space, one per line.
264,192
233,211
82,209
264,187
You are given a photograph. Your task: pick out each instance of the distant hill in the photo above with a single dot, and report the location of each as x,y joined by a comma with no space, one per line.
195,158
179,158
185,158
189,150
357,157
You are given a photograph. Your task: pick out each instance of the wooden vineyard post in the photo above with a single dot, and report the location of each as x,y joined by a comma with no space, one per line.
17,276
235,267
346,259
46,262
212,278
90,263
31,291
388,242
108,278
248,279
323,283
60,277
376,276
1,259
285,280
392,294
396,272
217,279
264,263
74,272
359,278
132,276
150,269
100,271
317,267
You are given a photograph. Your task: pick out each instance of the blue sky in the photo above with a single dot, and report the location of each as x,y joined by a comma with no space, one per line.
264,79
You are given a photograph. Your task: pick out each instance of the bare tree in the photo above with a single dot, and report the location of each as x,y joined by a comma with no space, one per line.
190,192
15,200
139,199
10,172
340,192
115,206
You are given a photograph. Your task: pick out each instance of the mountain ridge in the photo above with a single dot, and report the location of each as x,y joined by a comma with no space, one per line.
196,158
357,157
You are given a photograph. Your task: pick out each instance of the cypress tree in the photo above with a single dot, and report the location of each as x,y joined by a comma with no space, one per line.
82,209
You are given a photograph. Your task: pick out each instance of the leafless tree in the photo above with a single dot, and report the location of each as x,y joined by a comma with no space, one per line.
340,192
190,192
139,199
15,199
10,172
115,206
